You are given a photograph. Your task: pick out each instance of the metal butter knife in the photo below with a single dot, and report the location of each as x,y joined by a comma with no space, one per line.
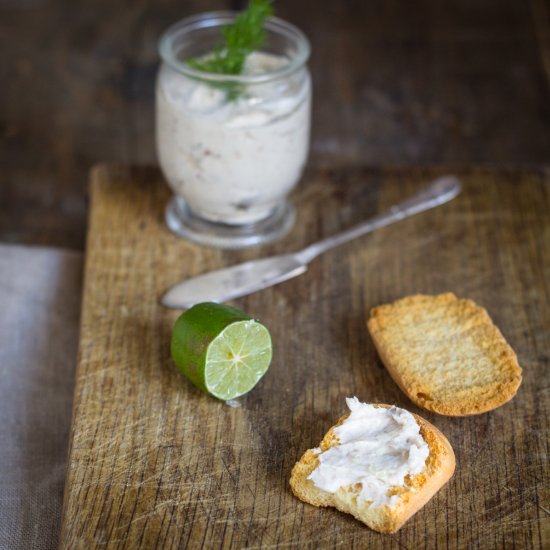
243,279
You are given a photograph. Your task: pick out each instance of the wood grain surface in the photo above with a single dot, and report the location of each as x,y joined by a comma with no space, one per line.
394,82
154,463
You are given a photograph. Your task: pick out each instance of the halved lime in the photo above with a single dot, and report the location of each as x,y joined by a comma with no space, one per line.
221,349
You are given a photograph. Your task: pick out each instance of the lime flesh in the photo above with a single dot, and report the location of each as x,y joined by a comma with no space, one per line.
236,359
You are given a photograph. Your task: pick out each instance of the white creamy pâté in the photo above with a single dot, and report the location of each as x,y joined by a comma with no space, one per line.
234,161
378,448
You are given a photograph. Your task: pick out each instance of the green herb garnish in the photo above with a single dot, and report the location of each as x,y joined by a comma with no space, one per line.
244,36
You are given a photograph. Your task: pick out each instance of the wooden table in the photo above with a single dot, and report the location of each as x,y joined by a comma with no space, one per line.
395,83
155,463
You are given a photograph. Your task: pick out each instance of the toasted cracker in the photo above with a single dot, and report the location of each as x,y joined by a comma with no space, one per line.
445,353
418,490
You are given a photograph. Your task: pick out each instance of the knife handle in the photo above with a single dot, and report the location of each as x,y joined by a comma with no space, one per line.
439,192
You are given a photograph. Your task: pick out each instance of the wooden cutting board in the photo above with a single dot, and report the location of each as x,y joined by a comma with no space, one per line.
154,463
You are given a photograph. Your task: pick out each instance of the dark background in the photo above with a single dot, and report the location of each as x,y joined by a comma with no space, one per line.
455,82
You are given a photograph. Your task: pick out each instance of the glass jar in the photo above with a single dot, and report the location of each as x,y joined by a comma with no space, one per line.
232,147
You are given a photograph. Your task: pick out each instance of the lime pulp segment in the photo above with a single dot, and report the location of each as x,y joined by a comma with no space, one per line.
237,358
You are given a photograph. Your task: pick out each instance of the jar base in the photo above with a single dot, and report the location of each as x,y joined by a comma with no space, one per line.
183,222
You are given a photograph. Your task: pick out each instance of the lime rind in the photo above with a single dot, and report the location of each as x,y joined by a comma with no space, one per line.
236,359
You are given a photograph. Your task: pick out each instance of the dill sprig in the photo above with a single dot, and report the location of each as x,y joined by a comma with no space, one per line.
244,36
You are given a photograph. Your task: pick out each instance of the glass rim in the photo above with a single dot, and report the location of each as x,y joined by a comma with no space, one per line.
218,19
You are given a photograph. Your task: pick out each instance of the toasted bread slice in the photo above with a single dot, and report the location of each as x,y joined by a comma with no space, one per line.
418,490
445,353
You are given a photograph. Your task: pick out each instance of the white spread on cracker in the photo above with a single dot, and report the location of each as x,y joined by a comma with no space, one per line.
378,448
